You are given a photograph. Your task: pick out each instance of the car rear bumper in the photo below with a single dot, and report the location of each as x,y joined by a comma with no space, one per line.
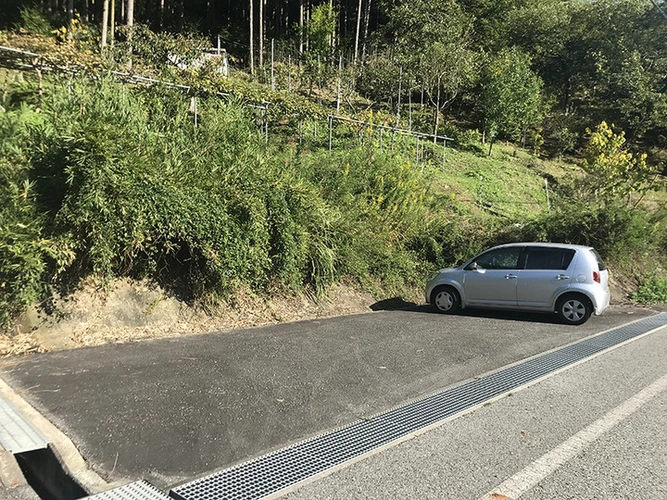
602,302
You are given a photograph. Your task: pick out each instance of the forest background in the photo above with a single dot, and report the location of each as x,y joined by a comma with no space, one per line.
317,157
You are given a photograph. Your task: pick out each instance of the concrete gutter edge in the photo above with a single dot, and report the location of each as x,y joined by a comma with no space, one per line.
62,446
11,475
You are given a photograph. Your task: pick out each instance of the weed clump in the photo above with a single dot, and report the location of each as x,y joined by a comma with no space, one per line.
112,182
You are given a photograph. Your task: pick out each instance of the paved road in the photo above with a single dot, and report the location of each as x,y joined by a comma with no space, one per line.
172,409
553,440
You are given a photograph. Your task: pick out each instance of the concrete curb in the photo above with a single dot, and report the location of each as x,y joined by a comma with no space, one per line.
63,447
11,475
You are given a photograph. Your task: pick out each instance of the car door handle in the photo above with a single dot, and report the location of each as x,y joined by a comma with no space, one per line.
511,276
562,277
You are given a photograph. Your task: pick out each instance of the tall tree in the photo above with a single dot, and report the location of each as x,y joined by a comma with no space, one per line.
105,22
433,43
511,95
130,14
252,37
300,27
367,17
112,22
261,34
130,24
70,13
356,37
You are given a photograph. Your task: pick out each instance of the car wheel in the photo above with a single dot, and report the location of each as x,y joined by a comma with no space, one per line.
574,309
446,299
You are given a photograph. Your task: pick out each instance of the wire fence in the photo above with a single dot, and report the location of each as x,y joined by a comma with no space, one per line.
27,60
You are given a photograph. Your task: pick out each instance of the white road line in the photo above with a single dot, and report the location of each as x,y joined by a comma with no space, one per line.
547,464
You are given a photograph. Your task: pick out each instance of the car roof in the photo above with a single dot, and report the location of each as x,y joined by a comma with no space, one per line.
545,244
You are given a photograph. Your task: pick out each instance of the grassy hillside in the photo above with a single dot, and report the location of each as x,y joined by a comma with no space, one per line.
106,180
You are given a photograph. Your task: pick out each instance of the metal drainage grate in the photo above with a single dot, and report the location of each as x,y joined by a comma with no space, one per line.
283,468
16,433
140,490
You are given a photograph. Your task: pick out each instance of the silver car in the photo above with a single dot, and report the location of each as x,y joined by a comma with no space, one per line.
568,279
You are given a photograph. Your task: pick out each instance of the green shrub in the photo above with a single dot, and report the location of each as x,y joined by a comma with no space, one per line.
616,231
127,183
652,291
33,20
117,181
464,139
23,249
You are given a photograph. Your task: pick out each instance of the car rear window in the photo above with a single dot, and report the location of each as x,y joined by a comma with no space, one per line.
549,258
601,264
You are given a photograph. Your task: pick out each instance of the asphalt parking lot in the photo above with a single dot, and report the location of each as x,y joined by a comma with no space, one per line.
169,410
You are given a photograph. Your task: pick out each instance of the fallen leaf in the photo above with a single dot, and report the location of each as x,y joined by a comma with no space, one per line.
498,496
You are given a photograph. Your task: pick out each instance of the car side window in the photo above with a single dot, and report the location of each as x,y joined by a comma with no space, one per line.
501,258
549,258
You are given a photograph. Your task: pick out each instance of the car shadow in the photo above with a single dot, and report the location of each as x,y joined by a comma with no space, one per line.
393,304
399,304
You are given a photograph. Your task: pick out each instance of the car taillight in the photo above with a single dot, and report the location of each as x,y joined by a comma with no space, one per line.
596,276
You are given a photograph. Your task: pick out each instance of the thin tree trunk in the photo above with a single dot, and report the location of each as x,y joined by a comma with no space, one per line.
105,22
70,17
252,37
367,17
308,13
261,33
130,23
300,29
84,11
112,22
161,15
332,36
210,10
356,38
181,16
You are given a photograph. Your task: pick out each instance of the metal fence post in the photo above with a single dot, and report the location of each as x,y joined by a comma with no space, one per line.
546,189
340,65
330,131
480,190
416,149
398,103
273,80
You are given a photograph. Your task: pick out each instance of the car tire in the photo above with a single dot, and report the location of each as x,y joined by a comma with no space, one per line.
574,309
446,300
